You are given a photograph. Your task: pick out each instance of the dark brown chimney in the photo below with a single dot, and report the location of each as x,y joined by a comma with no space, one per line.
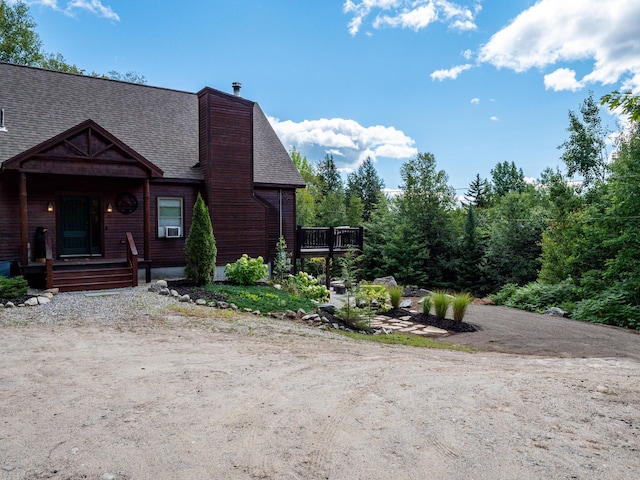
236,88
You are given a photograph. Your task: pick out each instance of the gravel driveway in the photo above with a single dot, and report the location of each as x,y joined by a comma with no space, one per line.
507,330
137,386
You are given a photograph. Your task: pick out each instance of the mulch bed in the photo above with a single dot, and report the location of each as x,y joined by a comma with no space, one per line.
443,323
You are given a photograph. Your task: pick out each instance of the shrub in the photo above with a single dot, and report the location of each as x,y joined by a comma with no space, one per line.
395,294
427,303
282,261
536,296
13,287
246,270
368,294
614,306
200,247
441,303
459,305
309,287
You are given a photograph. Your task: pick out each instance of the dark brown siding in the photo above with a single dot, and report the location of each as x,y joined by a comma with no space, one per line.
169,252
226,156
271,198
9,218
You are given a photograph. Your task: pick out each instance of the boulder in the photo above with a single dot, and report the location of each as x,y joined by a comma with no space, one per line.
556,312
184,298
43,300
328,308
388,281
406,304
201,301
30,302
162,283
164,291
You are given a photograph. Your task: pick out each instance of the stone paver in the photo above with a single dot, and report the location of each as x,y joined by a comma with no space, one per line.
396,325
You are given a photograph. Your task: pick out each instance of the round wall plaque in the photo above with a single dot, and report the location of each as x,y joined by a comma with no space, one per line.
126,203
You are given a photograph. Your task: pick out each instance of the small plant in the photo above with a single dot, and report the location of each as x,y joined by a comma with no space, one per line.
395,294
246,270
459,305
371,295
441,303
13,287
309,287
427,303
282,261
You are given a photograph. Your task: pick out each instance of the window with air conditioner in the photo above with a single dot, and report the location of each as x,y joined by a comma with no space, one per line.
170,215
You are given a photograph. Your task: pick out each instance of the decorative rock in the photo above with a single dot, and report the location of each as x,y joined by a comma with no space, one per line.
48,295
248,310
328,308
290,314
212,304
52,291
174,293
108,476
416,292
8,468
336,326
256,312
201,301
556,312
162,283
340,289
164,291
386,281
9,305
43,300
223,305
31,302
311,317
233,306
154,288
184,298
301,312
483,301
277,286
405,304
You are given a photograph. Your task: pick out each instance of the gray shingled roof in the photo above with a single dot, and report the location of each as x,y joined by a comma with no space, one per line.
160,124
271,162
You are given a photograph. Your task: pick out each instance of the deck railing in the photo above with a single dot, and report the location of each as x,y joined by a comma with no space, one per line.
328,240
132,258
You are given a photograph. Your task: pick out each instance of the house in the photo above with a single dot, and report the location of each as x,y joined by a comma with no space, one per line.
98,175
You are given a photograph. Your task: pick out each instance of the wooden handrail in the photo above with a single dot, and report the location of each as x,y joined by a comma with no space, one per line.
132,258
329,239
48,260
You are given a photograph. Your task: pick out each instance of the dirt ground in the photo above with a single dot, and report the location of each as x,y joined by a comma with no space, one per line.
183,392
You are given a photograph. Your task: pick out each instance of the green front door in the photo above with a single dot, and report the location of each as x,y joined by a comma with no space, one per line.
80,226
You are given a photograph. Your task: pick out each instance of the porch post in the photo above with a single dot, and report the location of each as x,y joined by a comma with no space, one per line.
147,230
24,221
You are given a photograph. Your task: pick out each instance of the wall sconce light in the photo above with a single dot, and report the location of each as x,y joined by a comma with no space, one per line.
50,207
109,207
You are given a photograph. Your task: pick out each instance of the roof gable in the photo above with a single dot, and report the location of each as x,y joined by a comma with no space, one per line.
86,149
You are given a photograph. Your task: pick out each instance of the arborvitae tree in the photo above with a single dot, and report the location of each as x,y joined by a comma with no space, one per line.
200,247
471,274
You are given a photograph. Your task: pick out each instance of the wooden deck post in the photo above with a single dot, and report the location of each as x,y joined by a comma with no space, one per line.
24,221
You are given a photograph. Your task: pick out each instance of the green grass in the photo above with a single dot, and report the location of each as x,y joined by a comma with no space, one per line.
256,297
408,340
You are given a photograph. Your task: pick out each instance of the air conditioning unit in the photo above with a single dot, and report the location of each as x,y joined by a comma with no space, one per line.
173,232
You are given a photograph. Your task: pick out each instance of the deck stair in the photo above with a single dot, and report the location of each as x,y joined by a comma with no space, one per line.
92,277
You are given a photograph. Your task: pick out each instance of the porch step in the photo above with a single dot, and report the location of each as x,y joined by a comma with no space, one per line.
92,278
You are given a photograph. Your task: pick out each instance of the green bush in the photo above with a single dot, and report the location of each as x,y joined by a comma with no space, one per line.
309,287
459,305
427,303
13,287
246,270
441,303
200,247
368,293
258,297
614,306
395,294
536,296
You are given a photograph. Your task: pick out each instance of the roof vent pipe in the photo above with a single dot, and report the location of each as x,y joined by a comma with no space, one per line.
236,88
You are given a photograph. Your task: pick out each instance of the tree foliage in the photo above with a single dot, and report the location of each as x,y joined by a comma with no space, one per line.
506,178
366,185
200,247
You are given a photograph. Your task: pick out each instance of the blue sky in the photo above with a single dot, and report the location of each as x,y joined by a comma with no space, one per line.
474,82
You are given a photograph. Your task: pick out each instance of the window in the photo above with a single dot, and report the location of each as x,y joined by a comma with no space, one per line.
170,217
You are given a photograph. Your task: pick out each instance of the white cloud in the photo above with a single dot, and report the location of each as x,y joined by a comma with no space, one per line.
494,119
467,54
451,73
553,32
475,101
414,14
92,6
346,139
562,79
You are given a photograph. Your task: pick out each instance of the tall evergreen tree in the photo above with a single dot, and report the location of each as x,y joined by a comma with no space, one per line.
200,247
479,193
506,177
366,185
